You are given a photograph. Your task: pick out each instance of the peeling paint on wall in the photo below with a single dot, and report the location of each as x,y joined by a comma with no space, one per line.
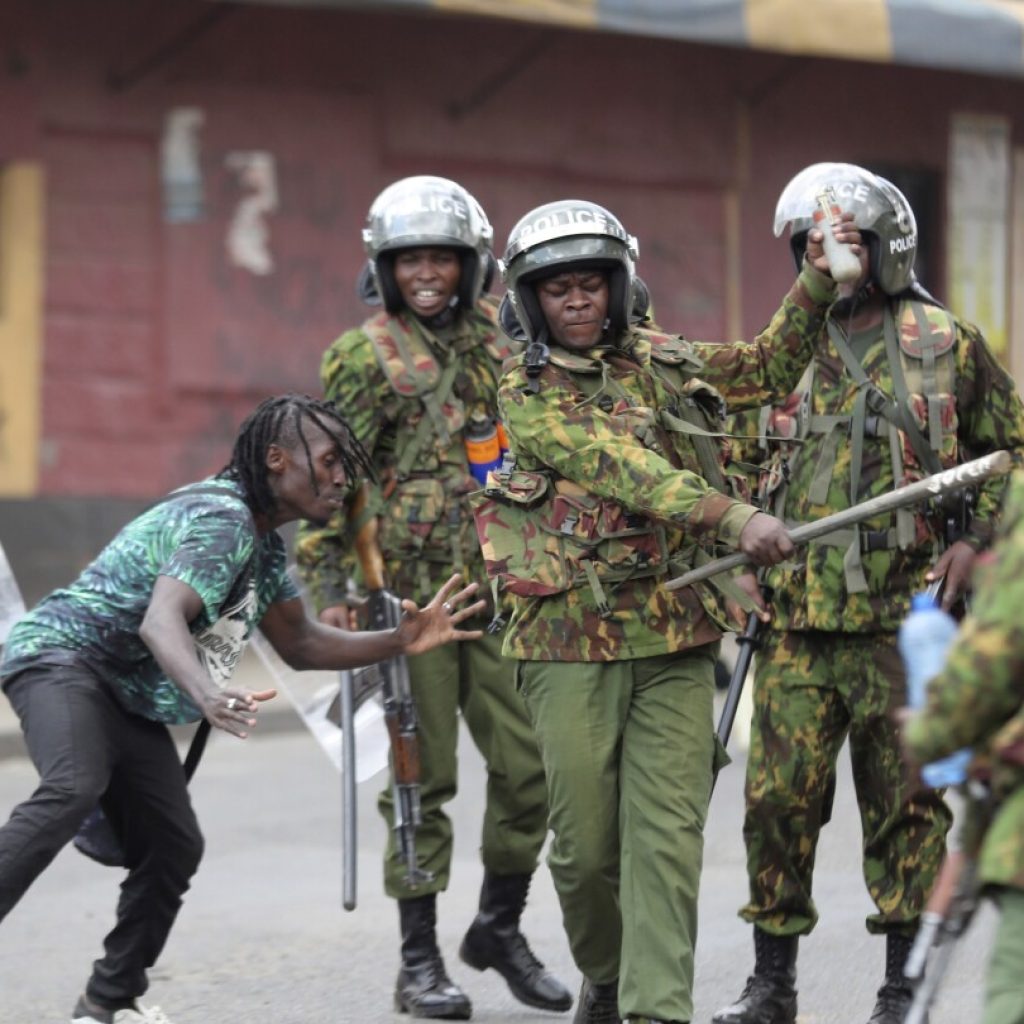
248,237
180,168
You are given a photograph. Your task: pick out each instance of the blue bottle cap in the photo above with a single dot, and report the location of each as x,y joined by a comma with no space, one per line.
922,602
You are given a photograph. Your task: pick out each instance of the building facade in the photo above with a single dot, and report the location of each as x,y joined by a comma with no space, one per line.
183,184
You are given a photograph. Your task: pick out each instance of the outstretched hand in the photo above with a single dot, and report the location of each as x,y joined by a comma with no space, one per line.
423,629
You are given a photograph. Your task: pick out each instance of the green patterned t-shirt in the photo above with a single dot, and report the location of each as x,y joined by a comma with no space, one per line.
202,535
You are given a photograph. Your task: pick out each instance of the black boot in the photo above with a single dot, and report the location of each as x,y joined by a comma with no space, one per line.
598,1004
423,988
494,940
896,993
769,997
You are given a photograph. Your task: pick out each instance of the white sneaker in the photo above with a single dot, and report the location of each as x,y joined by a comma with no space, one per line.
138,1014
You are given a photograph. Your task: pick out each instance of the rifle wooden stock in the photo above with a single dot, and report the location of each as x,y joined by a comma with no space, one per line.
371,561
405,747
931,487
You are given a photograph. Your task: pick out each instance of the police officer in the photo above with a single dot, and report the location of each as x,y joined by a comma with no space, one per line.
977,701
616,482
899,389
418,384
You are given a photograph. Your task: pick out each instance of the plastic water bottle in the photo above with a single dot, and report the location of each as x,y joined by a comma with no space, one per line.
925,637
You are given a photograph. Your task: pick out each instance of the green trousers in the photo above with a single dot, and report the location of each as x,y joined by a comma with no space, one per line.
629,751
812,692
1004,990
473,678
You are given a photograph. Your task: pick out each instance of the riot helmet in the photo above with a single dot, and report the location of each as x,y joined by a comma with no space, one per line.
880,211
561,236
424,212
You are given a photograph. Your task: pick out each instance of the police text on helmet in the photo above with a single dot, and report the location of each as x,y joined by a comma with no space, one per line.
568,216
429,202
902,244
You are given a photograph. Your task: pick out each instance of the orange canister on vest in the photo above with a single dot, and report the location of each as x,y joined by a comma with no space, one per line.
485,444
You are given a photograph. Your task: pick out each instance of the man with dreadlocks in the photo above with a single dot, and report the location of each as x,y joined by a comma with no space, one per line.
147,637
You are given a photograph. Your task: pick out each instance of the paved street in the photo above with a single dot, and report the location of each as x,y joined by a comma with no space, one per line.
263,937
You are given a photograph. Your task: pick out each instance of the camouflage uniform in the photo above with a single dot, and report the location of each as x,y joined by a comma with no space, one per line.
426,532
418,384
829,667
616,671
898,389
978,701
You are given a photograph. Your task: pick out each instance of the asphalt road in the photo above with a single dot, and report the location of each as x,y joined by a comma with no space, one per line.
263,937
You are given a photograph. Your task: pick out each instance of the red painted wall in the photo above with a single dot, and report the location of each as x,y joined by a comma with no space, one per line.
156,345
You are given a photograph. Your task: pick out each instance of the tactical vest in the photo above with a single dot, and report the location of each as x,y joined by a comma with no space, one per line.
542,534
424,517
918,422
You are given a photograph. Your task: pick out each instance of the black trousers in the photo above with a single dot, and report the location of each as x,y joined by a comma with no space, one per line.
88,749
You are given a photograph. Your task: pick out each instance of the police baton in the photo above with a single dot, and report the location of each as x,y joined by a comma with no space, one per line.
927,489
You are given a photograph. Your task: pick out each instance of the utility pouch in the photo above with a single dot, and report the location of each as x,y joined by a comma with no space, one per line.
413,510
541,538
521,557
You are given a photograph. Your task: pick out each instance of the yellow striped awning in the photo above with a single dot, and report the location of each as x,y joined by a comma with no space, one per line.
981,36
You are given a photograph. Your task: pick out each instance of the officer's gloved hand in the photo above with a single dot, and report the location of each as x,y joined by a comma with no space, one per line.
764,540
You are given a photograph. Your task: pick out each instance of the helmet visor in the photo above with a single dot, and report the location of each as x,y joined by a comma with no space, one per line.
554,257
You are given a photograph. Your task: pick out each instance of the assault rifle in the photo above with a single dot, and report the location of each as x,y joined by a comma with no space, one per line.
950,906
931,488
385,612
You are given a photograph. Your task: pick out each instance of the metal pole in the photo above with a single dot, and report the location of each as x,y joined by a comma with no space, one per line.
930,487
348,791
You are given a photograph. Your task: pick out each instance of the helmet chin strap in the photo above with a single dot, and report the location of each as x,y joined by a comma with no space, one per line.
443,319
536,358
848,306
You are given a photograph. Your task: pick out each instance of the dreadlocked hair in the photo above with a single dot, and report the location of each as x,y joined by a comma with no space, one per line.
280,421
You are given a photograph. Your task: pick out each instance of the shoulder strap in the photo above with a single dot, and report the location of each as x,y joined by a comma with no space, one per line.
413,375
409,373
873,399
922,449
433,422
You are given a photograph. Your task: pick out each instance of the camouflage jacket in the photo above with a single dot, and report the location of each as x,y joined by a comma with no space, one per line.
978,699
863,583
385,377
608,451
